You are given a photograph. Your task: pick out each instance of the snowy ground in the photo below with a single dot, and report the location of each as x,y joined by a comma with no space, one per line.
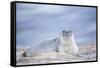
86,53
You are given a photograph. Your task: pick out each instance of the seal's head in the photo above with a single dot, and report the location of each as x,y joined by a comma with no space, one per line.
67,34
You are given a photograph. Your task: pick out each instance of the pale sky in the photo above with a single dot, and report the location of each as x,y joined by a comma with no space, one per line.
37,22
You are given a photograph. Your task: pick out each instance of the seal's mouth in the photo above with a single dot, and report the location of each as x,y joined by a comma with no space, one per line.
67,33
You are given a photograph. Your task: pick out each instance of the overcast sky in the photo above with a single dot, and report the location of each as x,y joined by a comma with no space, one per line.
37,22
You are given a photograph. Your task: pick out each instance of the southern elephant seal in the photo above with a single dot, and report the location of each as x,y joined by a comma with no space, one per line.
65,44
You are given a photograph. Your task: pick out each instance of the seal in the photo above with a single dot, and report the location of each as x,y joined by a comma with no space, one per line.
64,44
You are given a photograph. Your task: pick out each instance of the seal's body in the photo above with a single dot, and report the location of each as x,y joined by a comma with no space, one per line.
46,46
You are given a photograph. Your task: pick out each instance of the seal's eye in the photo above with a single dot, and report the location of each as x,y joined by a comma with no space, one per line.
63,31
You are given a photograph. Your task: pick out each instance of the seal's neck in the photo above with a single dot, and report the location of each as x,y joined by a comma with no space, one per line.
65,40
